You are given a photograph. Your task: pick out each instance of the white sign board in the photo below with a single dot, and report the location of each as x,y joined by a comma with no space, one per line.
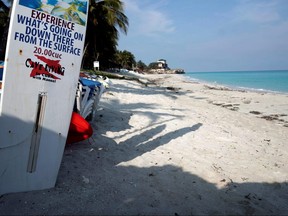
42,66
96,64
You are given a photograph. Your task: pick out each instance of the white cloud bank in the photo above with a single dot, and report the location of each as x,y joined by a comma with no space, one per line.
148,20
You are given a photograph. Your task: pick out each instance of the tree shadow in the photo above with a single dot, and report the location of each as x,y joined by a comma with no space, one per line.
124,112
147,141
148,90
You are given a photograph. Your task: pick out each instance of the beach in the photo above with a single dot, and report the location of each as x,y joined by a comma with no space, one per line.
170,146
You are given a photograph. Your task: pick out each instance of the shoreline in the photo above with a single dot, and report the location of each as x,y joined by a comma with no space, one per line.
172,147
235,87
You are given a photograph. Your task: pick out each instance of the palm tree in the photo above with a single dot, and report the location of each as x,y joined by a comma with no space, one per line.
126,59
105,19
4,7
4,24
141,65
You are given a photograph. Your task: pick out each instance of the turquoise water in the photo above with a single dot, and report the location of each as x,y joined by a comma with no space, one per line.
276,81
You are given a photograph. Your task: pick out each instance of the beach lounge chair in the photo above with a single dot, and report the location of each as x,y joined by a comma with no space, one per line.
87,97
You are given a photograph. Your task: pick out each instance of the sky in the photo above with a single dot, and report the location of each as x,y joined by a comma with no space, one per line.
208,35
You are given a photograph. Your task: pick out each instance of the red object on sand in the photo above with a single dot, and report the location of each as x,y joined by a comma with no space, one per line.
79,129
82,74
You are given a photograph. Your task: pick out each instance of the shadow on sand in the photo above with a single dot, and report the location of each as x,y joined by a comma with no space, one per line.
92,180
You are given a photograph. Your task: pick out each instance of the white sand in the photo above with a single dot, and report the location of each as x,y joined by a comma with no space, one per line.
192,150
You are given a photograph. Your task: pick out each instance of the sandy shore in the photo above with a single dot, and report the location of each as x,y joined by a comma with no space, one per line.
173,148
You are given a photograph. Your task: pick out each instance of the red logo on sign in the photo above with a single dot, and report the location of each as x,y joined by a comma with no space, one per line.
46,68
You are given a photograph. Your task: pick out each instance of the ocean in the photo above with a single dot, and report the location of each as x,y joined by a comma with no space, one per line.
266,81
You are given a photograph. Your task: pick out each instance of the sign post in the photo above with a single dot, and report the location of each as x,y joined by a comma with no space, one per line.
41,71
96,65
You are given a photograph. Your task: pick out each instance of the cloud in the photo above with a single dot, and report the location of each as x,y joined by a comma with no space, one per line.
147,19
255,12
254,17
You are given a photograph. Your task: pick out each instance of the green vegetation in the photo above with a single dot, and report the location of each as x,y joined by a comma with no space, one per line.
141,65
153,65
105,19
125,59
4,25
